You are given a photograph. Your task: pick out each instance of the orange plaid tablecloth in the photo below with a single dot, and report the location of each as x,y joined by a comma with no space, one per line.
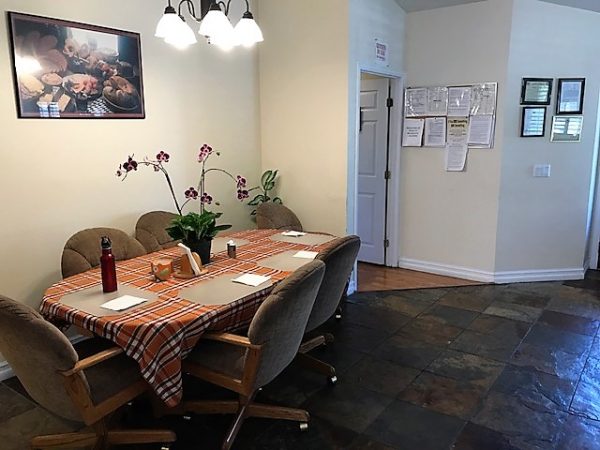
159,335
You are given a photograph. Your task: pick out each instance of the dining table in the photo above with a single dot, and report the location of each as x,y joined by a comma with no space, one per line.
160,332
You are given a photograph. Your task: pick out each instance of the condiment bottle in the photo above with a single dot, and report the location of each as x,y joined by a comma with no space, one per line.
231,249
107,266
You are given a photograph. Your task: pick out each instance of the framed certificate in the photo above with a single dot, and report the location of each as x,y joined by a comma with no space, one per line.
566,129
533,122
570,96
536,91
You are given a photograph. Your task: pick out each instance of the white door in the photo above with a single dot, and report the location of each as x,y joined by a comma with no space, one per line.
372,166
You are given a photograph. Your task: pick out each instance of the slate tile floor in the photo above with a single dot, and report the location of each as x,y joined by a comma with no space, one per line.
479,367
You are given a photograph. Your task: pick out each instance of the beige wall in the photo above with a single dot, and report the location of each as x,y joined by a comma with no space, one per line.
304,106
58,176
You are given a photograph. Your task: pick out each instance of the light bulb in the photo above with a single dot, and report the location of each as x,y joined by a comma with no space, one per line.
247,31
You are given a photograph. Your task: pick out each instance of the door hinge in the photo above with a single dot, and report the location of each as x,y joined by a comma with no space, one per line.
390,102
388,175
386,243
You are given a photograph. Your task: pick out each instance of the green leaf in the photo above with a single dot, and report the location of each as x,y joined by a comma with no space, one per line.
273,175
266,177
269,185
257,200
278,201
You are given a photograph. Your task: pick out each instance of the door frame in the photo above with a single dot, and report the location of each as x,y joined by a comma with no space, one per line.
395,146
593,216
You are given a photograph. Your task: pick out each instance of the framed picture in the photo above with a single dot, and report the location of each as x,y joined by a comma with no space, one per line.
66,70
570,96
566,129
536,91
533,121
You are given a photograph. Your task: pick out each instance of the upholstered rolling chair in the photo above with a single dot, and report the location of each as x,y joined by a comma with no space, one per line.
275,216
339,262
84,391
82,251
245,364
150,231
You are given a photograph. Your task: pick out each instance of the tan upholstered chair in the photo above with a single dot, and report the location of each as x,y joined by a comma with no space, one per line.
84,391
150,231
275,216
339,262
82,251
245,364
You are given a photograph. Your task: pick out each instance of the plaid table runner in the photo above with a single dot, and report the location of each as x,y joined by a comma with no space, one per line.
160,334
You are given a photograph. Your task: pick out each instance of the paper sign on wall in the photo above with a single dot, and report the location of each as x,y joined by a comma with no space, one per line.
457,146
381,53
481,130
437,101
413,132
435,132
459,101
415,102
483,99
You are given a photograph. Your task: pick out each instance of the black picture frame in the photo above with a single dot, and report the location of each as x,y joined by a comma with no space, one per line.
565,103
529,84
71,70
525,120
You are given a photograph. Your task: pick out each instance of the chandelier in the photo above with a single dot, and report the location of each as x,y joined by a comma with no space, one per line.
215,25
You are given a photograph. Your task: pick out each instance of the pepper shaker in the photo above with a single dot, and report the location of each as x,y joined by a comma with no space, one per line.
231,249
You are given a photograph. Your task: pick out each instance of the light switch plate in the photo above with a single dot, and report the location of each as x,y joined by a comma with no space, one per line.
542,170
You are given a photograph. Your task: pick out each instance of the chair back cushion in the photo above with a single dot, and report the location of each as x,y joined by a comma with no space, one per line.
151,231
36,350
82,251
339,262
280,322
275,216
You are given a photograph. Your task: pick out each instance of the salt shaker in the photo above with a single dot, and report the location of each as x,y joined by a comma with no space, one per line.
231,249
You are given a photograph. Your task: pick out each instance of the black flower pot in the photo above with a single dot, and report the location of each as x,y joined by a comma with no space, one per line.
202,248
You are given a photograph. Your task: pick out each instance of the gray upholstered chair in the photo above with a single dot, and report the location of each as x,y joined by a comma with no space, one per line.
150,231
84,391
275,216
245,364
82,251
339,261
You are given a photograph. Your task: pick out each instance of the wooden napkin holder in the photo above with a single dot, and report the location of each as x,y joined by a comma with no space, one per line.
185,267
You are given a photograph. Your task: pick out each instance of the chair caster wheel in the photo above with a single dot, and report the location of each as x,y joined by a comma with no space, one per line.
165,447
304,427
188,418
338,317
332,380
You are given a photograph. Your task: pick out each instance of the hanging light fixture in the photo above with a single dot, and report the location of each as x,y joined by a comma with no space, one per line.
214,25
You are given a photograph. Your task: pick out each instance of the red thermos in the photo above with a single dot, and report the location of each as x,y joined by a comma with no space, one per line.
107,266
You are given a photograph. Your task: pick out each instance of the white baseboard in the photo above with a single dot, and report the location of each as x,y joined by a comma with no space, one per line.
352,286
517,276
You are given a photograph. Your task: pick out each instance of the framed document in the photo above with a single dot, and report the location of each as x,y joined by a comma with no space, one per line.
570,96
533,122
536,91
566,129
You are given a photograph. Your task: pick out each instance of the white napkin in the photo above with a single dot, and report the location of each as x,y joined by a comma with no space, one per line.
251,279
306,255
123,302
293,233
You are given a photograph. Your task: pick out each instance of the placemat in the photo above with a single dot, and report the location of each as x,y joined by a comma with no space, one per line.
90,299
284,261
220,290
307,239
219,244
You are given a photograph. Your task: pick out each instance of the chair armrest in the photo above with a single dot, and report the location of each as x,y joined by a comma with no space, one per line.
229,338
93,360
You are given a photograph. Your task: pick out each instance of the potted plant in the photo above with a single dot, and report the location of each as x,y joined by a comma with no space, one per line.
267,184
196,230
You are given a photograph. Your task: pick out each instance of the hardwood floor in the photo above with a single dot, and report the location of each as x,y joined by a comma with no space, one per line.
379,278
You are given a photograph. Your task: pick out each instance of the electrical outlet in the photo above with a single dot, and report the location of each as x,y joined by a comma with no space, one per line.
542,170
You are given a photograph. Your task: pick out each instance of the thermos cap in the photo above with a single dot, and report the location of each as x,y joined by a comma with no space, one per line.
105,242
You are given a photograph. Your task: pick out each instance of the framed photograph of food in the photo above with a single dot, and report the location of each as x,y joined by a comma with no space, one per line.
72,70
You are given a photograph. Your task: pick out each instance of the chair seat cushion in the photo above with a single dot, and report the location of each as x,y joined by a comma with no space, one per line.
220,357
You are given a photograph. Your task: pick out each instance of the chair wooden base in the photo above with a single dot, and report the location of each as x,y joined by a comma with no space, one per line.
314,364
100,441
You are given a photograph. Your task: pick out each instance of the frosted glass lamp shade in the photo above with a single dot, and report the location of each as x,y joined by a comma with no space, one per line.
182,37
168,23
215,25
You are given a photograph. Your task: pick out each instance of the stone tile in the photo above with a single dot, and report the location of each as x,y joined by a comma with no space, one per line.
514,311
554,362
499,326
476,437
408,352
526,423
499,348
586,401
444,395
543,288
359,338
464,366
373,317
364,443
12,403
539,387
409,427
292,388
466,299
430,331
567,322
447,315
348,405
406,304
339,356
381,376
424,295
577,302
555,339
579,434
521,297
595,351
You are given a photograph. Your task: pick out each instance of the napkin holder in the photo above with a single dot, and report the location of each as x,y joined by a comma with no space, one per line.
185,267
162,269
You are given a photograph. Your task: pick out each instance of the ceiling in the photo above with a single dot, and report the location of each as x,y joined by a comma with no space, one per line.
421,5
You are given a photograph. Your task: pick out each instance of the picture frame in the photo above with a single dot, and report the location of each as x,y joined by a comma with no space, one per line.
70,70
570,96
533,121
536,91
566,129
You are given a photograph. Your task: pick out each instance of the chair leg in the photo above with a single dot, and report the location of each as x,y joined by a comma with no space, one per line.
316,365
244,402
206,407
67,440
278,412
125,437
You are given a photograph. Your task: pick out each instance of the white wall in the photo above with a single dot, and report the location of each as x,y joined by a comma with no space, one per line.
58,176
449,219
542,221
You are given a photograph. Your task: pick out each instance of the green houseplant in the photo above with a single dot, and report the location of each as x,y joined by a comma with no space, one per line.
196,230
267,184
